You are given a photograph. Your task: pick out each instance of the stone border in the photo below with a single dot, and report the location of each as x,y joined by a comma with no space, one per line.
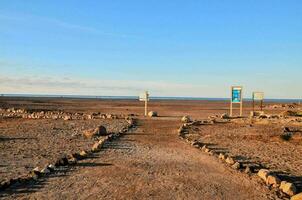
22,113
271,179
65,160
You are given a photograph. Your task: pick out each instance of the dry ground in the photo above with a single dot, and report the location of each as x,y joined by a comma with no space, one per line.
26,144
148,163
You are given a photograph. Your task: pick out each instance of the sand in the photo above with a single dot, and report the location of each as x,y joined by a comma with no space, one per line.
150,162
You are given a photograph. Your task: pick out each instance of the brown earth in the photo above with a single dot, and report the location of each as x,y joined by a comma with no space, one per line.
148,163
26,144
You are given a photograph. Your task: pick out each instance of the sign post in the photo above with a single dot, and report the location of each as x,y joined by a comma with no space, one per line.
258,96
236,98
145,97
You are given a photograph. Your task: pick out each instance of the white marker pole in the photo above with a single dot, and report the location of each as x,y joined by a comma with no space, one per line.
146,102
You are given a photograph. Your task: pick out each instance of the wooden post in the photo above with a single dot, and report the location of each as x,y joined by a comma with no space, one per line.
231,108
241,101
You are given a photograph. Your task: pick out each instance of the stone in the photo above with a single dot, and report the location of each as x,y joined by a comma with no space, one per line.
263,174
62,161
236,165
101,142
288,188
204,147
34,176
83,154
230,161
247,170
225,116
90,133
130,121
222,156
152,114
273,180
66,118
297,197
72,160
186,119
101,130
95,147
36,171
51,167
45,170
256,113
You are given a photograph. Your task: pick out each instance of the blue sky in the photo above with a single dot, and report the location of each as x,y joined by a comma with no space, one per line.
171,48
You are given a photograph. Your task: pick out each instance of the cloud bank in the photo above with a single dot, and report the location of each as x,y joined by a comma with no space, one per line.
66,85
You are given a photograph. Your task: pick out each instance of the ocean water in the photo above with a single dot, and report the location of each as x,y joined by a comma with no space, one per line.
136,98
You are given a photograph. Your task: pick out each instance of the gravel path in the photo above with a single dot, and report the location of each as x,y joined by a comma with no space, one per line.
148,163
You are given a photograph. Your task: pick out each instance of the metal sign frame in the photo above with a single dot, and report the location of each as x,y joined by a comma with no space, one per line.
236,98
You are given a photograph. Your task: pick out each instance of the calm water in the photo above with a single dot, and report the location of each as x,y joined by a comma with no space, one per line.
136,97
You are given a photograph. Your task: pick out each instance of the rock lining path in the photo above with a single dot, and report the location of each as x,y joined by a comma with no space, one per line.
148,163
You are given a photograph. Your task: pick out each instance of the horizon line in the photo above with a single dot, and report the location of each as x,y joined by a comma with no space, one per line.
134,97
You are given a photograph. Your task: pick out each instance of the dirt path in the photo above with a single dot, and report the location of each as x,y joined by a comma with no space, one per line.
149,163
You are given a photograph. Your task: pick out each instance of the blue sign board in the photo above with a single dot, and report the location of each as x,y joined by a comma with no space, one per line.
236,95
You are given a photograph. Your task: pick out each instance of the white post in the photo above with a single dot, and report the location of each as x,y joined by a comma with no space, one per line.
146,103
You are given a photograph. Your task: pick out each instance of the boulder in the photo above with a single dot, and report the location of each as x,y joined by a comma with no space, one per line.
297,197
273,180
225,116
36,171
66,118
90,133
96,147
45,170
101,130
152,114
288,188
256,113
51,167
236,165
222,156
72,160
186,119
230,161
83,154
62,161
263,174
247,170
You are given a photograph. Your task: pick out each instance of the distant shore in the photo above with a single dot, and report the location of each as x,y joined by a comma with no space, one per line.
136,98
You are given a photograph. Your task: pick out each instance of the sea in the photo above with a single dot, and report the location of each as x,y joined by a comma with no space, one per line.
137,97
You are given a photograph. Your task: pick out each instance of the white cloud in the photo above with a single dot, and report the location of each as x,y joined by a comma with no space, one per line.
68,85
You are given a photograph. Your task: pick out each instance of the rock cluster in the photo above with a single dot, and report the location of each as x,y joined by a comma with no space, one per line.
22,113
270,179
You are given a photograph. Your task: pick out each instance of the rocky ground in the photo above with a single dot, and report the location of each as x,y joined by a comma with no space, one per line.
150,162
26,144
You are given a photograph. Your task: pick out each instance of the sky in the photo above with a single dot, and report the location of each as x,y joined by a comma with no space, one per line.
194,48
